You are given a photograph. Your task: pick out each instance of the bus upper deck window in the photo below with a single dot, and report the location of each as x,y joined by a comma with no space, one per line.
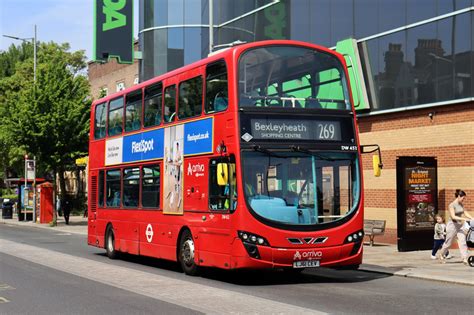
216,87
133,111
190,98
115,116
99,123
169,110
152,105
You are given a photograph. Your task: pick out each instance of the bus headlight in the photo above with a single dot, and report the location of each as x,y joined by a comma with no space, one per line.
250,242
354,237
252,238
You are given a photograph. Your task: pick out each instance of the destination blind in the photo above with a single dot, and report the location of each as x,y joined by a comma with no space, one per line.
284,129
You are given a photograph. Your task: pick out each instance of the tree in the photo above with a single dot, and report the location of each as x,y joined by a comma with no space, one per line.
49,118
11,153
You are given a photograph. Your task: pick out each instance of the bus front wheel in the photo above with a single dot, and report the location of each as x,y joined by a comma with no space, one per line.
186,254
112,253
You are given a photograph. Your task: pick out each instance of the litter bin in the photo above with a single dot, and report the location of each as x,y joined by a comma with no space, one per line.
7,210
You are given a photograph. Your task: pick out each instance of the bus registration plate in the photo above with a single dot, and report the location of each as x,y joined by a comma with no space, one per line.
306,264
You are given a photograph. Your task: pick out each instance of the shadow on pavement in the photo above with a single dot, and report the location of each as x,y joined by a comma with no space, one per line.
263,277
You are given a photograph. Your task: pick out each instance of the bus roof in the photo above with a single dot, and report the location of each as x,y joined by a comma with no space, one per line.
225,53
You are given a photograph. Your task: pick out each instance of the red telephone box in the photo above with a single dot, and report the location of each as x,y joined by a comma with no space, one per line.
45,204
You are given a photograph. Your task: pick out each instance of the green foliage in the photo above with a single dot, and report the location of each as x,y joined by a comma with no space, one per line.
14,55
10,196
50,118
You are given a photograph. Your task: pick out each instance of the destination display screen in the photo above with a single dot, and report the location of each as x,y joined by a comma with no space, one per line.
285,129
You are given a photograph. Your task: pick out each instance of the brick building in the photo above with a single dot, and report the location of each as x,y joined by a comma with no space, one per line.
110,77
445,132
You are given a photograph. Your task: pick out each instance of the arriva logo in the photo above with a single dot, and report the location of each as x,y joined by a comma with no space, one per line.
308,255
195,169
142,146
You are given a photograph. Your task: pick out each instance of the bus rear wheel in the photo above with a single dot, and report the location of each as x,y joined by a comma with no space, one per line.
186,254
112,253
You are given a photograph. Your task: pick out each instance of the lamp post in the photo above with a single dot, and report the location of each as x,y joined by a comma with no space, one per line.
34,49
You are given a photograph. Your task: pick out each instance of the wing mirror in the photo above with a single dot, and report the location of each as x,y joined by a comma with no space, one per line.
376,158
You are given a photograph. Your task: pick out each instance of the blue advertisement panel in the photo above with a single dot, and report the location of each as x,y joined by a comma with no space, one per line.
143,146
198,137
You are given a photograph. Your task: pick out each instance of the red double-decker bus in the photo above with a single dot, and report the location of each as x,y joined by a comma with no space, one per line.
247,159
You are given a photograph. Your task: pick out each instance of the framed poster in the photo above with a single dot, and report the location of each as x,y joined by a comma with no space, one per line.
417,202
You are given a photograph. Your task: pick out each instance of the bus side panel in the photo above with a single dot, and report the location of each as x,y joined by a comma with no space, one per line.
159,240
196,182
101,225
126,236
215,240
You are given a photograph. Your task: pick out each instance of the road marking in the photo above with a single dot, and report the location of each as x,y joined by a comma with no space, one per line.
62,234
179,292
3,300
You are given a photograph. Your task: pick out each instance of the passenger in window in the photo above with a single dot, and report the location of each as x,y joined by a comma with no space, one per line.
221,101
116,200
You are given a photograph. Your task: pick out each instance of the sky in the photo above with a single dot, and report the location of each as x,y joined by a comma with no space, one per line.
56,20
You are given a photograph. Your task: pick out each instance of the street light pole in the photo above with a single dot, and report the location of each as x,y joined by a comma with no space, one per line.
34,56
33,39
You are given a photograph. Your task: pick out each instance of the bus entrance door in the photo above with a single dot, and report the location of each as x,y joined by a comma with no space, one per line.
215,238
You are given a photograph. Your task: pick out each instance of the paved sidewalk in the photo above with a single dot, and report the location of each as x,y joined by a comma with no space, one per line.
77,224
381,258
385,258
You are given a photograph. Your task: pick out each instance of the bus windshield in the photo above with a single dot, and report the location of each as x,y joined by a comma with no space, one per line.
301,188
291,77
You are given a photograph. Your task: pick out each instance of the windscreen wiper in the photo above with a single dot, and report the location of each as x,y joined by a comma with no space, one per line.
267,152
308,152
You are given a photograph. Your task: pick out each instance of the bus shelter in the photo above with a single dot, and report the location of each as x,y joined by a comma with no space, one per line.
25,211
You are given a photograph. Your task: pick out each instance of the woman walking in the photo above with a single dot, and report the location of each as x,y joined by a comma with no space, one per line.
457,217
